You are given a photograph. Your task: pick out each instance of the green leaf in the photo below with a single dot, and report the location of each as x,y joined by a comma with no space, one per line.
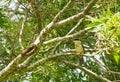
94,24
116,57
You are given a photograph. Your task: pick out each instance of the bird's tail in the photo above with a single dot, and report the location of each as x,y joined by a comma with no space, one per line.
81,61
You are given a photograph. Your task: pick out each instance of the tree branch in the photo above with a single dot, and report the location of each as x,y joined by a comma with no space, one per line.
59,13
52,25
79,22
66,37
77,16
10,68
87,70
53,57
21,31
7,34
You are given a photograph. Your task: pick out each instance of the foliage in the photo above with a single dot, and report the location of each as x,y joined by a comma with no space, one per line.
23,21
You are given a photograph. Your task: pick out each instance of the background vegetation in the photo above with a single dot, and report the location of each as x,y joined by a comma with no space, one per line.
36,40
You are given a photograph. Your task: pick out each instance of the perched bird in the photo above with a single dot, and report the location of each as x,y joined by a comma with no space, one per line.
79,48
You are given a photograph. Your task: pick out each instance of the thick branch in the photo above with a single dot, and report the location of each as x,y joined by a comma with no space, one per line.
27,61
78,16
37,8
89,6
10,68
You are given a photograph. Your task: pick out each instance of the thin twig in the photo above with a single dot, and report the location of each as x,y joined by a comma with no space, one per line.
113,72
59,13
21,31
87,70
79,22
7,34
16,9
53,57
102,65
66,37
